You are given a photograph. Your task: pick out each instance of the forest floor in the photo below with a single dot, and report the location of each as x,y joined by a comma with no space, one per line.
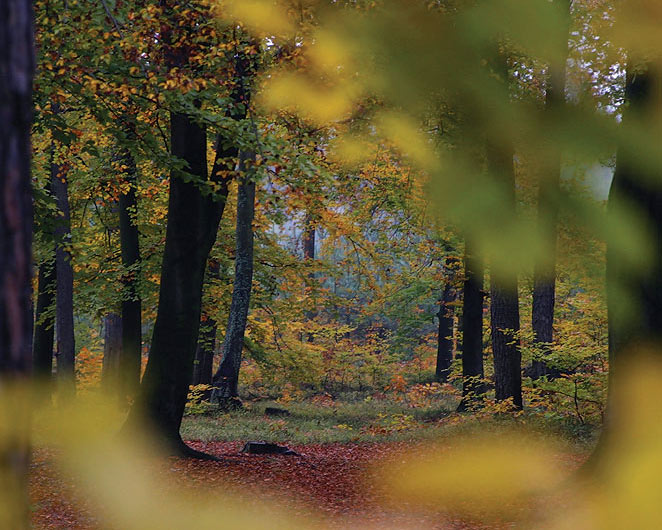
334,483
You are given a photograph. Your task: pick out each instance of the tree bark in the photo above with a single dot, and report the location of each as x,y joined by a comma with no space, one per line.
16,223
226,378
112,351
504,303
66,348
131,321
472,328
544,276
445,333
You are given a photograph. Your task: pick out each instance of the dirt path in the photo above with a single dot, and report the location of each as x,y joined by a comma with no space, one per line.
333,482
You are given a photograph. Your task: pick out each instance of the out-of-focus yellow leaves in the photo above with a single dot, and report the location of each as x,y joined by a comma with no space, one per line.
624,491
484,475
14,454
637,28
351,150
330,53
320,104
266,17
406,136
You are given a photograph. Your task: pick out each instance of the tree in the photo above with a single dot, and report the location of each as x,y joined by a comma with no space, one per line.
472,328
544,277
131,321
634,289
16,223
112,350
445,332
226,378
195,207
64,315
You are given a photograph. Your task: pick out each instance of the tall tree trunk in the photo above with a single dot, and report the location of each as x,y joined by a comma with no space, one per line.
16,74
544,276
309,256
193,219
131,320
44,330
445,334
66,348
504,303
634,292
472,328
226,378
112,351
204,354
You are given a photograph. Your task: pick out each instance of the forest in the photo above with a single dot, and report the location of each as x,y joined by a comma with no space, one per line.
330,264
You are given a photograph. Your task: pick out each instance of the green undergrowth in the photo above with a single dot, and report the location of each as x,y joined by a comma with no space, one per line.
369,421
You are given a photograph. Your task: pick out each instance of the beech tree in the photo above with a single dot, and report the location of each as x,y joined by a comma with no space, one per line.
226,377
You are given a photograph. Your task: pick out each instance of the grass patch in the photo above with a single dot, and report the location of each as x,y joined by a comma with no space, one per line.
364,421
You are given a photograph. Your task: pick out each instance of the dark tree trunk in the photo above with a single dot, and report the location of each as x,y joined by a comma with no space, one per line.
193,219
131,320
445,335
112,351
504,304
226,377
472,328
204,354
64,319
44,330
544,276
16,223
634,292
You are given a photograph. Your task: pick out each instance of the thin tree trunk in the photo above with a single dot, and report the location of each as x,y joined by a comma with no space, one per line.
66,348
226,379
131,320
544,276
445,334
112,351
16,224
472,328
44,330
309,256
